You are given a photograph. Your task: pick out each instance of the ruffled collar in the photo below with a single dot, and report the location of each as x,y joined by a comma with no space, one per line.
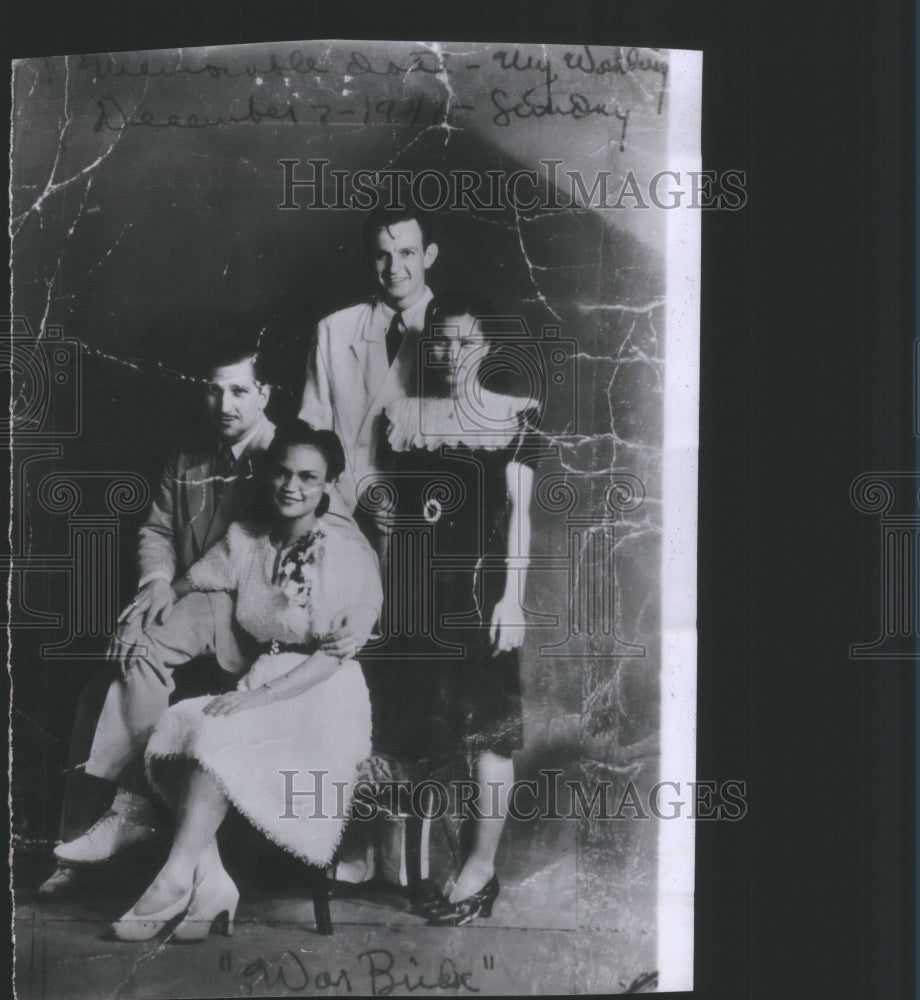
488,421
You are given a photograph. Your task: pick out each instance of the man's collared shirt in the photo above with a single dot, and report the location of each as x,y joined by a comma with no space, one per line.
240,446
413,318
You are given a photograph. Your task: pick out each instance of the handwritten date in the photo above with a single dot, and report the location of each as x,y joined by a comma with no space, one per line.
413,111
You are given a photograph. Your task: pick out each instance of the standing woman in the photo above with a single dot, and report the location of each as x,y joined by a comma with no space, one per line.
303,707
460,478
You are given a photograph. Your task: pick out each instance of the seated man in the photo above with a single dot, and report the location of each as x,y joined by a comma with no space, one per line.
207,483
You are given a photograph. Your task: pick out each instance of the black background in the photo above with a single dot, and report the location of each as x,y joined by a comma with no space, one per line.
807,339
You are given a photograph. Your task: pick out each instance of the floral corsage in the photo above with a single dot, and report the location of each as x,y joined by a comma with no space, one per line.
297,571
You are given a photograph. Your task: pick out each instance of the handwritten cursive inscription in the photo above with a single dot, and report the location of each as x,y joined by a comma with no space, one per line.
114,118
527,86
383,978
289,974
517,61
632,61
540,102
360,64
296,62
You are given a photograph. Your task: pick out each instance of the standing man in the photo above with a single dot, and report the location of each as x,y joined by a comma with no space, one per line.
207,483
366,356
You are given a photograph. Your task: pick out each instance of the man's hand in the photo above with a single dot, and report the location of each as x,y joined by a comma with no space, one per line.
507,629
153,604
341,642
239,701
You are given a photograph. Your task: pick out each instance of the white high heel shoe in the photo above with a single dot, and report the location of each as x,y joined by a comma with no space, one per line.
142,927
214,897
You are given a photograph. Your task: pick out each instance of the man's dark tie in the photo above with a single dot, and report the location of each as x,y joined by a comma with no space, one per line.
394,337
223,471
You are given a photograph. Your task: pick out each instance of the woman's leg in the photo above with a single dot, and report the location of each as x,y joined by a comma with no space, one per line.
495,776
200,812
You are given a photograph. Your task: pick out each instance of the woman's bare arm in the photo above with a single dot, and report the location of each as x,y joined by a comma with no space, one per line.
507,629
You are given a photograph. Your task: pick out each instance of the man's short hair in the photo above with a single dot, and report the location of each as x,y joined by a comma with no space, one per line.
384,216
234,352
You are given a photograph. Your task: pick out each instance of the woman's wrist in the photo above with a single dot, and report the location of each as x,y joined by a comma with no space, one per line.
270,688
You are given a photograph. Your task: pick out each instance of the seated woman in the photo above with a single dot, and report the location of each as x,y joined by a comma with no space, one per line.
297,709
461,476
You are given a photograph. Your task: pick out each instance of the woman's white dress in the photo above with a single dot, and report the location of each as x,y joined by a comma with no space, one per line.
288,766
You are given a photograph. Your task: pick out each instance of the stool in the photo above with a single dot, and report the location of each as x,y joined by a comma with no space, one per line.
318,880
375,769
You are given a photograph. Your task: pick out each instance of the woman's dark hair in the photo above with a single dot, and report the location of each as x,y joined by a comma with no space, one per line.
327,443
459,302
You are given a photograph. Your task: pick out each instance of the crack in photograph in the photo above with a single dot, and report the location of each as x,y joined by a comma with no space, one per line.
352,605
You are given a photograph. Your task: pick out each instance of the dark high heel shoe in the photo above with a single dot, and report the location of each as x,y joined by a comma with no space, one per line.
427,900
467,910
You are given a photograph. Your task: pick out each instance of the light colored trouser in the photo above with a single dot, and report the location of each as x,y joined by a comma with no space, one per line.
199,625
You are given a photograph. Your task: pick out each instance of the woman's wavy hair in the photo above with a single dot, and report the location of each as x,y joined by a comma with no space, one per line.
459,302
299,432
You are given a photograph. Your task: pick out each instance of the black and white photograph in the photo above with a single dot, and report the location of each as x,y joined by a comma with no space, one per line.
352,591
463,499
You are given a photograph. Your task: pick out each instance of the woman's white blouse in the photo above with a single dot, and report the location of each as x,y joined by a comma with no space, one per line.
343,576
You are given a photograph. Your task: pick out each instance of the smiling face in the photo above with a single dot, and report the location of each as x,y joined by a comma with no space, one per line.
298,481
400,262
235,401
457,349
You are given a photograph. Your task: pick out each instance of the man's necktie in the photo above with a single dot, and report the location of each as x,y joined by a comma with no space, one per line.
394,337
223,471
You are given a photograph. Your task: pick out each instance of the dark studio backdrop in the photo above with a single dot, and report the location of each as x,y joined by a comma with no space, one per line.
807,381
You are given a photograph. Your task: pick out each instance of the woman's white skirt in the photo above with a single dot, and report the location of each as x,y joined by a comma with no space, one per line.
289,767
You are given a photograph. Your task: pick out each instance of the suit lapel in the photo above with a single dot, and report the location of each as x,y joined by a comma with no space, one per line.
391,383
233,501
200,501
360,353
386,389
377,371
369,372
380,382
